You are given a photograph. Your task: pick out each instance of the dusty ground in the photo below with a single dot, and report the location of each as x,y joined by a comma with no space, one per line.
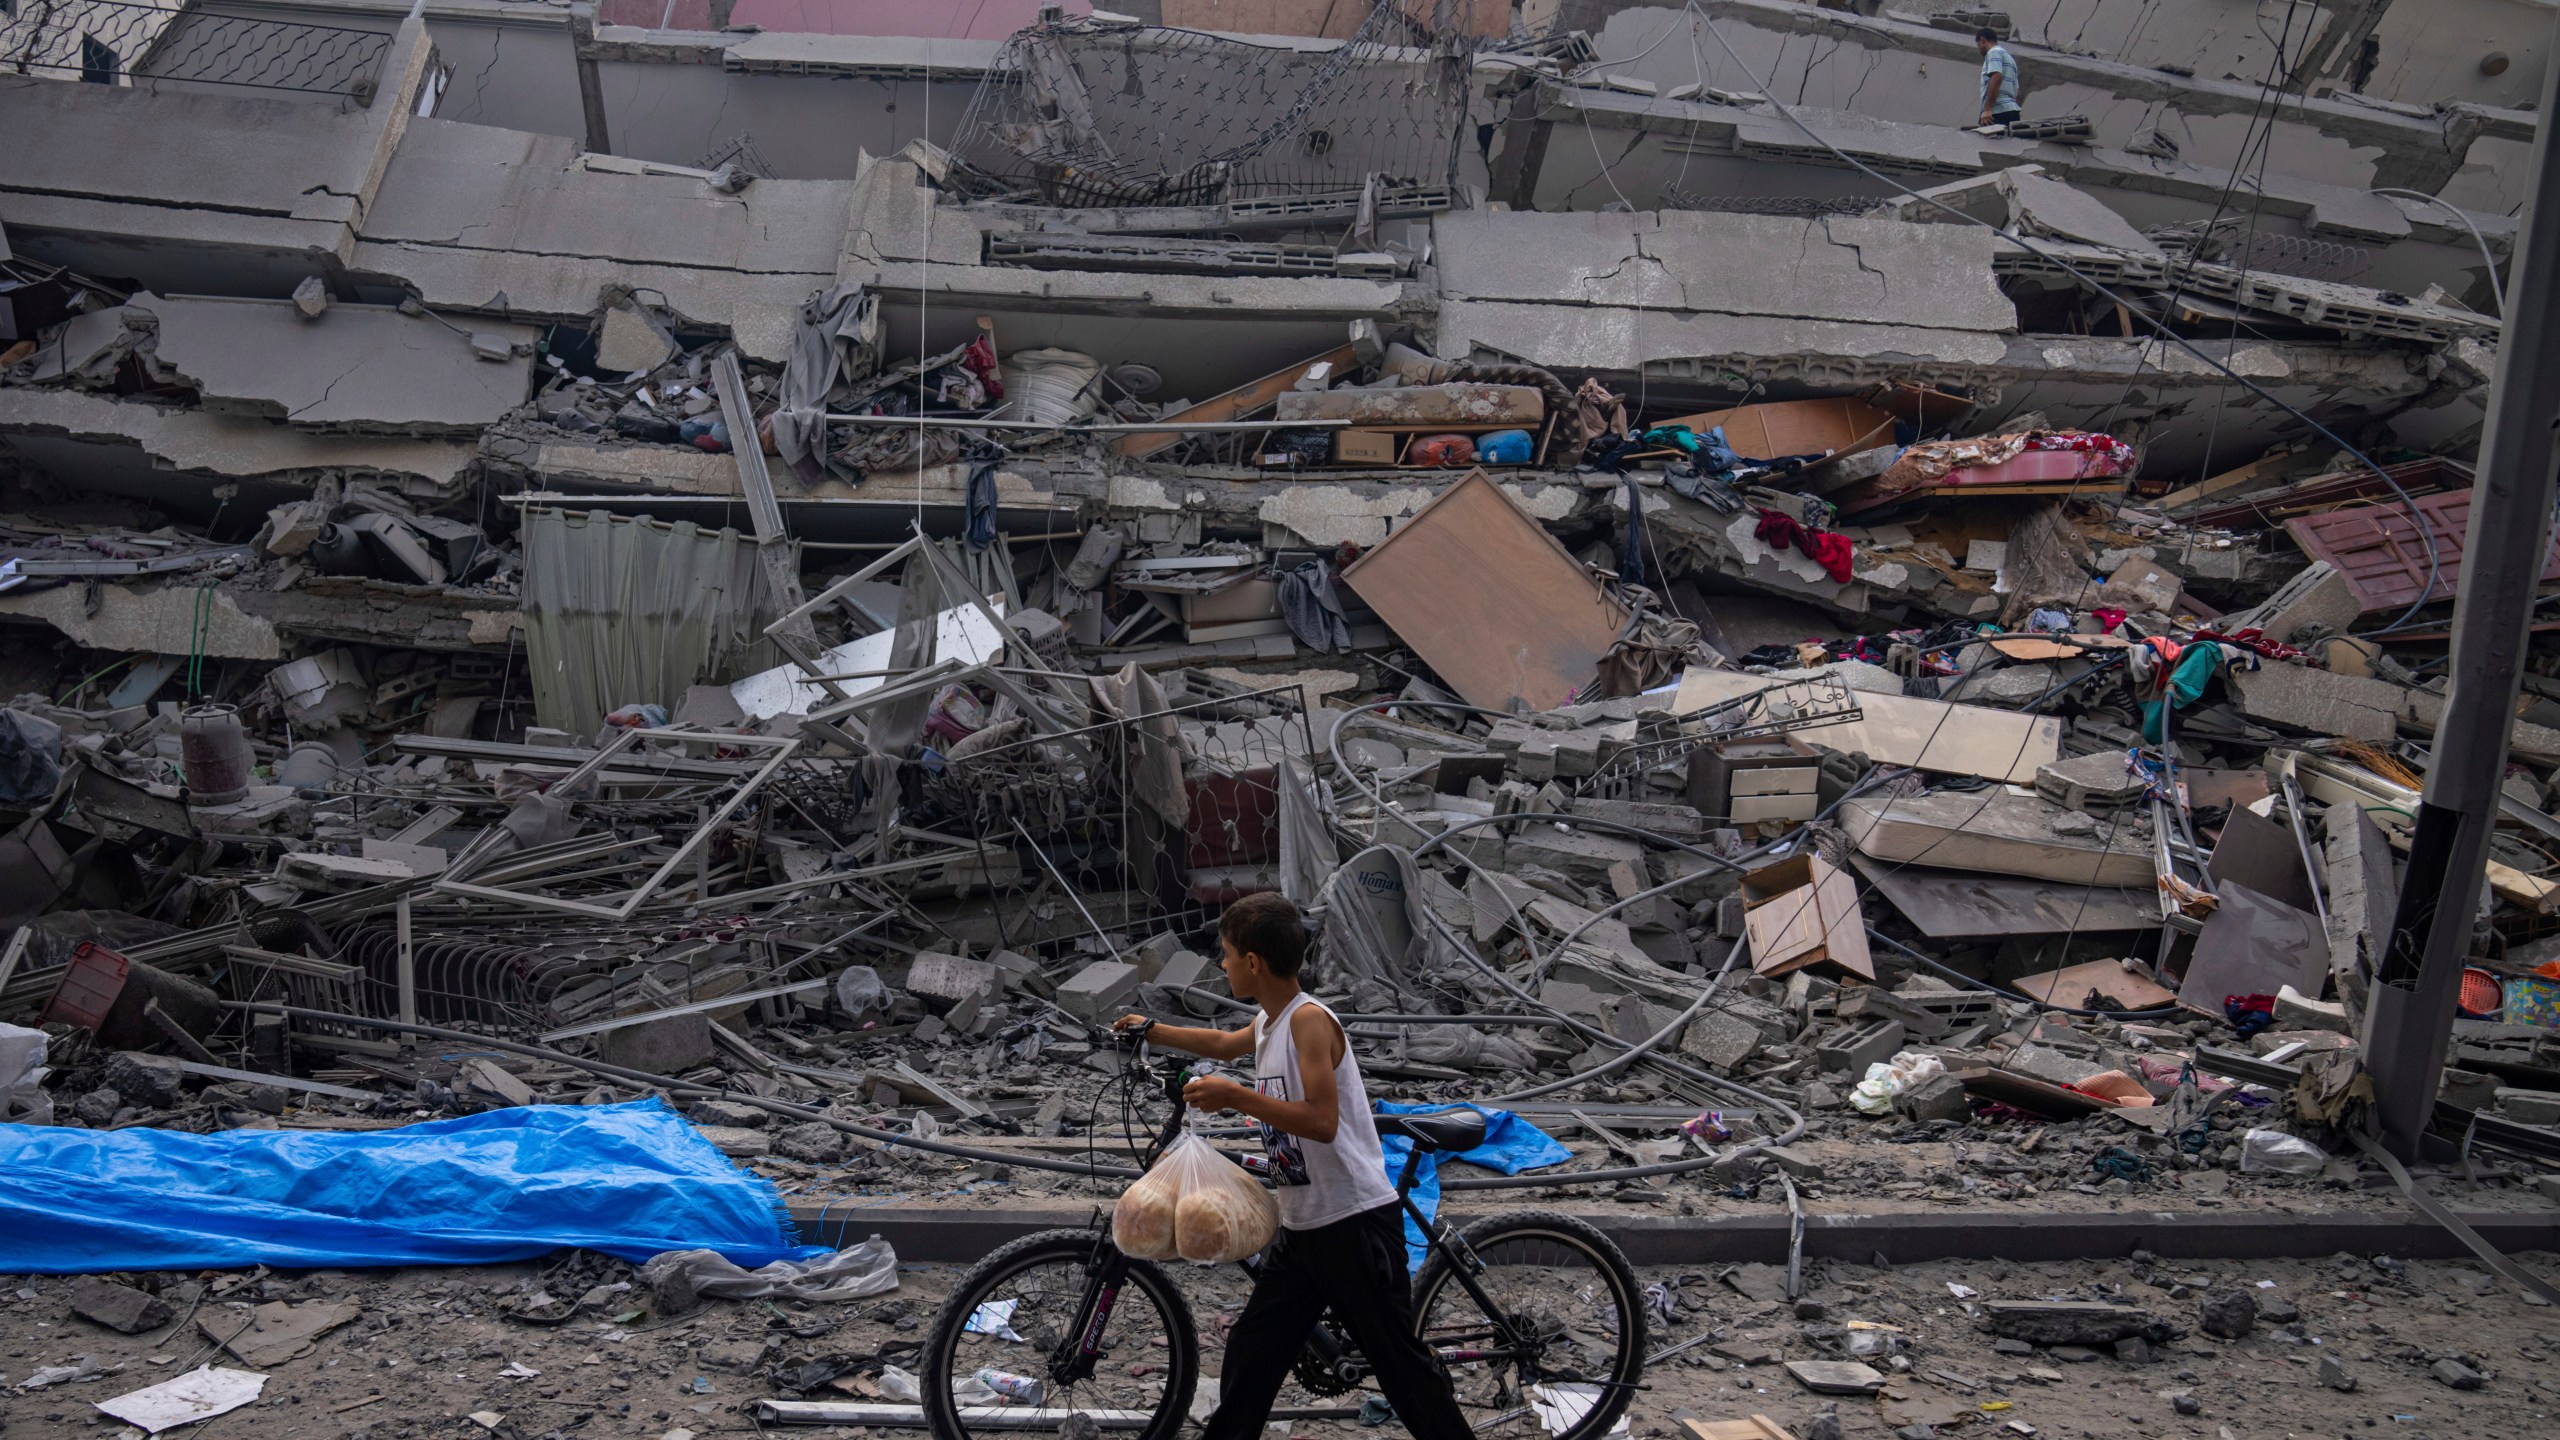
431,1348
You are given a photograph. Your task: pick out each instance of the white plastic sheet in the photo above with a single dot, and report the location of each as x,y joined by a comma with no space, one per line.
853,1273
194,1396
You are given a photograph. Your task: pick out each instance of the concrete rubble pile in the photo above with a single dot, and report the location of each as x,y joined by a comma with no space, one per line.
1752,683
2120,868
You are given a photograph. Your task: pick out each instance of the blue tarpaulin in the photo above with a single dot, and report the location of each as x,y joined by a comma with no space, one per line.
1511,1145
632,1180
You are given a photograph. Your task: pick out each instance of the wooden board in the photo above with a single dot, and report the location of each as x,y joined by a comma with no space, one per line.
1758,1427
2121,988
2059,647
1832,425
1233,405
1906,730
2028,1093
1489,600
2264,468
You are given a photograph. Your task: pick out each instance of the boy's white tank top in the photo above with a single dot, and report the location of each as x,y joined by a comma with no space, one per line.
1319,1182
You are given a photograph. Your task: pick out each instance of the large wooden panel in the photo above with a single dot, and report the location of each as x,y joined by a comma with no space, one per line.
2383,555
1796,427
1488,599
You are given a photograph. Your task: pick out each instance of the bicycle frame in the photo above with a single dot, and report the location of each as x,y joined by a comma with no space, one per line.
1112,1268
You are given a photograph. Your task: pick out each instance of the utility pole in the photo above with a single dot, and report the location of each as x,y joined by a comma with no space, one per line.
2409,1024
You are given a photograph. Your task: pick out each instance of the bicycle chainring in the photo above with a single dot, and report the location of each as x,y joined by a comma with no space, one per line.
1318,1377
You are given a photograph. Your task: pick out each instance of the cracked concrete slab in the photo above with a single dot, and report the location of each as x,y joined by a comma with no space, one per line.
202,442
1622,339
1876,272
244,154
163,621
472,214
362,366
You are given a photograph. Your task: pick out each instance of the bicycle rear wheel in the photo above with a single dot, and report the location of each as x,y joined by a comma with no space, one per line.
1565,1337
1032,1310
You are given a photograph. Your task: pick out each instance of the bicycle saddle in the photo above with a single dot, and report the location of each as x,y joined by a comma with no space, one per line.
1453,1131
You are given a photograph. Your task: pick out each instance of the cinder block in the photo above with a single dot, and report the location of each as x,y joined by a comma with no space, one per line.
1851,1048
1150,958
1100,991
1185,967
942,981
1940,1097
668,1045
2530,1107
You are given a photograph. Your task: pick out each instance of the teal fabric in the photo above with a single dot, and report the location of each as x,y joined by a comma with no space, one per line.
2197,665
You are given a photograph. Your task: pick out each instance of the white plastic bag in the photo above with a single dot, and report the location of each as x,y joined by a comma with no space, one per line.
1196,1204
2273,1152
1888,1078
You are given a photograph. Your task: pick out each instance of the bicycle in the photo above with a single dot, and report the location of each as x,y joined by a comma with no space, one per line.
1052,1315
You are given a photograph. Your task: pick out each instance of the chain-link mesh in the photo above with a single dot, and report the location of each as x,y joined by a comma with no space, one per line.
131,41
1086,113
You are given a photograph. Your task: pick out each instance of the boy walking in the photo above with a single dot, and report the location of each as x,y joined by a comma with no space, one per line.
1341,1242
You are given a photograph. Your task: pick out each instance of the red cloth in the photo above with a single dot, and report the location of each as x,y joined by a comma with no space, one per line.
1832,552
979,359
2108,620
2254,639
1778,530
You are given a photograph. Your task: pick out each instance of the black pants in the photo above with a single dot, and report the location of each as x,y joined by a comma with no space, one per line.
2004,117
1356,1268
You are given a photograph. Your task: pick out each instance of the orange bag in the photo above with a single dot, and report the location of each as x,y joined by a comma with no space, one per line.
1441,450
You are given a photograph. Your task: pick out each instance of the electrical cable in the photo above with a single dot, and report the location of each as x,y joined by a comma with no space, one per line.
2497,286
1951,973
1679,1024
884,1138
1520,921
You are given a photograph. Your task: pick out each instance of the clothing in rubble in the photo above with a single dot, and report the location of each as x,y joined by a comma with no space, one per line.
983,458
1313,611
1833,553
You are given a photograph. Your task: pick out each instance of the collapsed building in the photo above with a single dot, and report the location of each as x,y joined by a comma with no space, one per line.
722,554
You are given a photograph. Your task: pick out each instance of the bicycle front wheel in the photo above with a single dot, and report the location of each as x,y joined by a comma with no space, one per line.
1055,1326
1560,1347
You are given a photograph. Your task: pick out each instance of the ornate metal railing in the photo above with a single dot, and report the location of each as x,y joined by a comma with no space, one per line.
135,42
